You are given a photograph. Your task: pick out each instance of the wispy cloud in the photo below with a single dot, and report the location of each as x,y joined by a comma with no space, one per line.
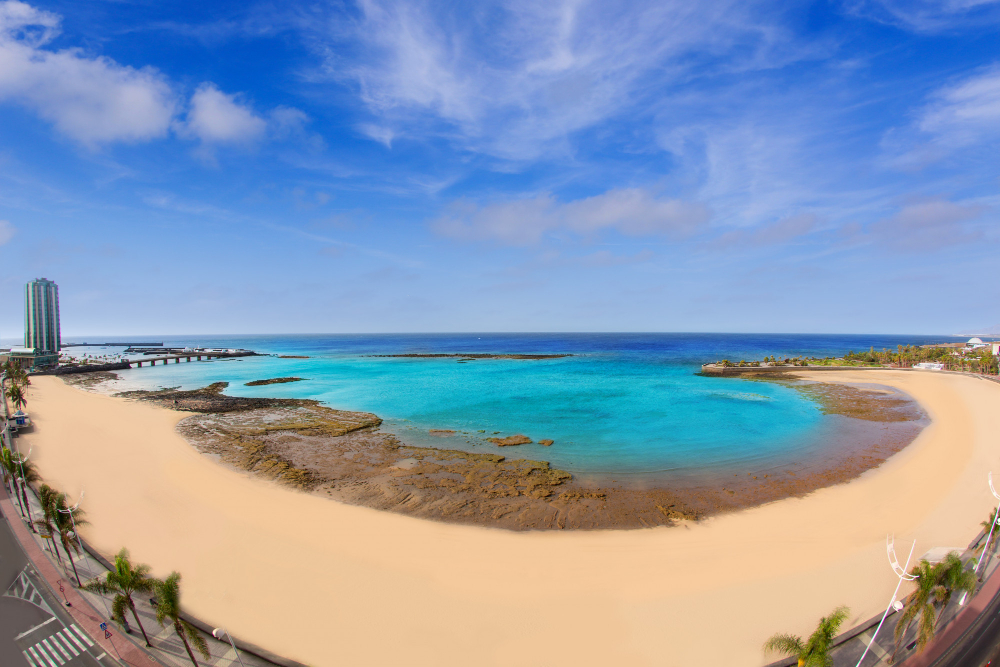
7,231
929,225
513,79
928,15
631,212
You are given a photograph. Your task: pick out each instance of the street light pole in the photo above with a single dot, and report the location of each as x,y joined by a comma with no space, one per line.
890,548
992,525
218,632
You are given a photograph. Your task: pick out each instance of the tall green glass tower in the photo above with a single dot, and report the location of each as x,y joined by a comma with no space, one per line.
41,316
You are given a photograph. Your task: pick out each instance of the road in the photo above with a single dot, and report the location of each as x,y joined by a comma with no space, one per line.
35,630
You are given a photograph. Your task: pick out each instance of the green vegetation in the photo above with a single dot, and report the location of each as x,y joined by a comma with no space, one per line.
935,585
815,652
15,467
65,526
122,582
47,524
168,608
905,356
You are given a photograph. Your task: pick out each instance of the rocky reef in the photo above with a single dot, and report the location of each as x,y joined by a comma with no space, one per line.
260,383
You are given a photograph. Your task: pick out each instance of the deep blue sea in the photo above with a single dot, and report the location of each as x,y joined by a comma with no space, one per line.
623,404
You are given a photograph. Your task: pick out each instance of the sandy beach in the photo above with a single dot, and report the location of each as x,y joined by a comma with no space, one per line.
327,583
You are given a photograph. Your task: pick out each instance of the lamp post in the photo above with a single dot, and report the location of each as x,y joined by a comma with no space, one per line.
992,525
890,548
76,535
219,632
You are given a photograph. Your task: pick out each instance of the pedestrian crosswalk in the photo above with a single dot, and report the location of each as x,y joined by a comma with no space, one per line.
58,648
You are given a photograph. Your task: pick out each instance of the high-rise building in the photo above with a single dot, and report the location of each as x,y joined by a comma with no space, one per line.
41,316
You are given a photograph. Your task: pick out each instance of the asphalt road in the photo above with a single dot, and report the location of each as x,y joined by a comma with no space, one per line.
16,616
25,628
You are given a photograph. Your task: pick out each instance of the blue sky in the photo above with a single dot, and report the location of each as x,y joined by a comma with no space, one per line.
502,166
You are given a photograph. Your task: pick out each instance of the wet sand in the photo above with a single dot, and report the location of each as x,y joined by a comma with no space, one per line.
360,586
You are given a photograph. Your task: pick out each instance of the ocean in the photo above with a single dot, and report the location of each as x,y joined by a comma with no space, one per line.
622,406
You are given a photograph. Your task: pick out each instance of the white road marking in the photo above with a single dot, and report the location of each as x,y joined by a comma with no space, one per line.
28,632
58,645
44,655
75,640
31,661
45,643
82,634
59,636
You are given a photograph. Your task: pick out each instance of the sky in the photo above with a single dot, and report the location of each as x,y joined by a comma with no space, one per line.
256,167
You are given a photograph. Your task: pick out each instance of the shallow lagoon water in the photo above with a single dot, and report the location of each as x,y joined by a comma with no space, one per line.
623,404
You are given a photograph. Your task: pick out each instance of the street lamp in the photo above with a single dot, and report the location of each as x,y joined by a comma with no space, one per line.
900,571
219,632
76,534
992,525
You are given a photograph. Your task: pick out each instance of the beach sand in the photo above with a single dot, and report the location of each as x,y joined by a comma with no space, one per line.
332,584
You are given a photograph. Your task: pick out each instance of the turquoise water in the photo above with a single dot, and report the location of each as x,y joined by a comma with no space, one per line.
622,405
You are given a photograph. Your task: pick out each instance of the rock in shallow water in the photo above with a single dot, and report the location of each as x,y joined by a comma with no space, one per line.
510,440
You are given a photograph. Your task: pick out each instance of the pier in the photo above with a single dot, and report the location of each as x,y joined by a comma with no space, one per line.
193,355
188,356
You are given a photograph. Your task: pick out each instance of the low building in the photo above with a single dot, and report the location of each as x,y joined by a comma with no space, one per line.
30,358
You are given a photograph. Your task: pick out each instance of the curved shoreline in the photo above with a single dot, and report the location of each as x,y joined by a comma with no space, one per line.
345,456
443,593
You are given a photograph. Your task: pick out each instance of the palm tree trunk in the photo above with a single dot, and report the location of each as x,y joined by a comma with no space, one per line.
131,606
27,506
180,633
69,555
17,494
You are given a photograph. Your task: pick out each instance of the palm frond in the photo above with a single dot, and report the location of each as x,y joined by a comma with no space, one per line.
195,638
118,607
784,643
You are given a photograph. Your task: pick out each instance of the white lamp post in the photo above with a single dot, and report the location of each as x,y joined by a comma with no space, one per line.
219,632
890,548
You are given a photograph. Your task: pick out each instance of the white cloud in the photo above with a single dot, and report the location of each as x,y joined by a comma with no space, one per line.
966,112
7,231
631,212
928,15
961,116
378,133
217,117
93,100
780,232
517,83
929,225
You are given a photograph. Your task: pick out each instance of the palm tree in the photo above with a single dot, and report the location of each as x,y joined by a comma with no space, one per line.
16,467
15,392
123,581
935,586
816,651
48,521
988,526
953,577
65,526
168,606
